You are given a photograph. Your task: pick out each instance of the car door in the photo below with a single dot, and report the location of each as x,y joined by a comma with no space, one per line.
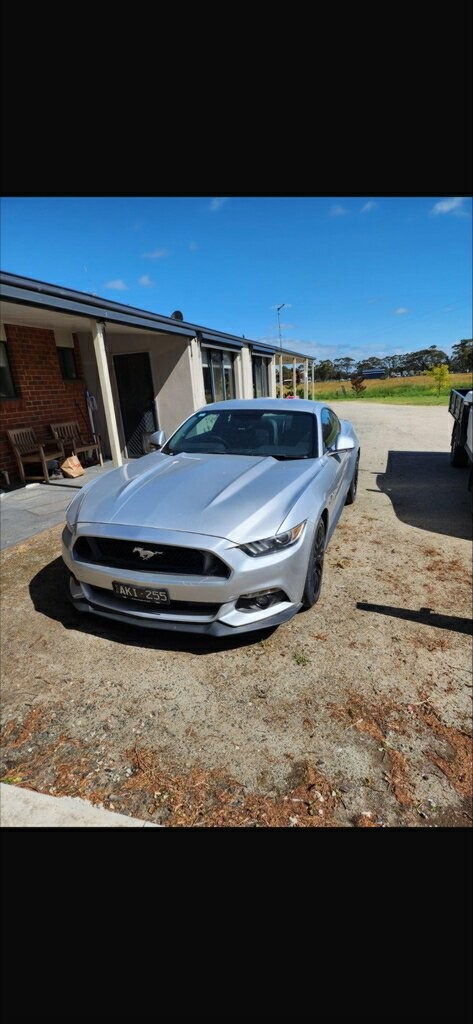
337,464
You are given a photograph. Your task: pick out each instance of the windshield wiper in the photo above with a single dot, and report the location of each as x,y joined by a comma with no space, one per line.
283,458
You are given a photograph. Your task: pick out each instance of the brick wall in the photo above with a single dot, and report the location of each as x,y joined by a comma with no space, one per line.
43,396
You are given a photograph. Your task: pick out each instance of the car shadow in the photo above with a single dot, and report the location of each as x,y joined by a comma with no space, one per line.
424,616
49,594
427,492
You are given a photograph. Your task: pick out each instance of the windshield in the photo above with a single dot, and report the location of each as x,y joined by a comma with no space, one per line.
282,435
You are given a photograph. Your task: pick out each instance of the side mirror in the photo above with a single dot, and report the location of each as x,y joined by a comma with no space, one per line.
344,443
157,439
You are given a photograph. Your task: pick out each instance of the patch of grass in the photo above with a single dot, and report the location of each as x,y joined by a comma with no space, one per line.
301,659
394,390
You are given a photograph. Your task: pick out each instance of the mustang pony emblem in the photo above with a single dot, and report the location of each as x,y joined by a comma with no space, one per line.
145,553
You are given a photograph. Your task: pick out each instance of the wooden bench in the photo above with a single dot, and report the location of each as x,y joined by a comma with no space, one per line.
74,441
29,450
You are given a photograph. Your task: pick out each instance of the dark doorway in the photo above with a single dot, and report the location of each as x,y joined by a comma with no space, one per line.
135,391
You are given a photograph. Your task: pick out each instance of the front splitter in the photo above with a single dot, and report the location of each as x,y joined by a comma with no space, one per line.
215,628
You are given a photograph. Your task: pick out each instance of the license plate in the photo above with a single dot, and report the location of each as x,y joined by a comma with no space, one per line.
148,594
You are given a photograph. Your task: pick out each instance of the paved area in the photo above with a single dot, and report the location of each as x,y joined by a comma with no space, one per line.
24,808
31,509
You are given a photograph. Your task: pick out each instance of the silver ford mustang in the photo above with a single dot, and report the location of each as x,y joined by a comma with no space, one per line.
224,528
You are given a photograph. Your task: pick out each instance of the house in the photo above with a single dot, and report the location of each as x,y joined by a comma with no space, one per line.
68,355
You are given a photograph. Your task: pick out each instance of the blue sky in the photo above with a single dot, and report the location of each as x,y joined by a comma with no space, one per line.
360,276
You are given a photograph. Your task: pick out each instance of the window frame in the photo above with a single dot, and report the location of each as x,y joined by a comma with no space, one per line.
9,375
223,361
61,350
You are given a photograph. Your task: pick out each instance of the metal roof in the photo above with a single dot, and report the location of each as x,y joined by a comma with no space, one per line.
28,291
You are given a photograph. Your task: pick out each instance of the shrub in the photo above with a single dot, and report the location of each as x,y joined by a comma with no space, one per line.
357,383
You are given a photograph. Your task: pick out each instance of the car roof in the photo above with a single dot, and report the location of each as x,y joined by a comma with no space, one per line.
268,405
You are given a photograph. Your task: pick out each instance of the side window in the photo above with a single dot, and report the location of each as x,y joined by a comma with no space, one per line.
330,427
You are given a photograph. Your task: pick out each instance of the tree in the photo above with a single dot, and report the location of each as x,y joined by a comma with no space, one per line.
440,375
462,356
424,359
393,363
437,357
324,370
343,366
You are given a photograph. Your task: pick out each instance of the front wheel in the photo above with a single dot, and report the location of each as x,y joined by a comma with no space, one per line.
353,486
313,580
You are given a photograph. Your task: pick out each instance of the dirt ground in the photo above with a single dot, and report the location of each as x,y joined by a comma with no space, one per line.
356,713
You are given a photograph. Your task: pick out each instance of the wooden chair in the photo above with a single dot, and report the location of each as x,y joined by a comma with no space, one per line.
28,449
70,436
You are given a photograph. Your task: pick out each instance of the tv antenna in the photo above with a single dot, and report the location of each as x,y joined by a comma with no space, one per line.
278,310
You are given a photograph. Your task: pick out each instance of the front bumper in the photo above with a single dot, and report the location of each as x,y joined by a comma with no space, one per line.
214,598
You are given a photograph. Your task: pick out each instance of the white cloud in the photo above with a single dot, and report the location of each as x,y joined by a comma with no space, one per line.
217,203
401,310
117,284
454,205
145,281
370,205
156,254
337,210
193,246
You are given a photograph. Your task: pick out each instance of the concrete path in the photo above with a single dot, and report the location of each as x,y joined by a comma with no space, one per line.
34,508
24,808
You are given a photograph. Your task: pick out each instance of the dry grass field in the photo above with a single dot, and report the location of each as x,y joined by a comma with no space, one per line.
394,390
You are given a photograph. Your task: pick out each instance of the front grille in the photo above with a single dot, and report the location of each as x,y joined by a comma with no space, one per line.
107,597
165,558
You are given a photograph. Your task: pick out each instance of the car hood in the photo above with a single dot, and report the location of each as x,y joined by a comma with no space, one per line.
237,497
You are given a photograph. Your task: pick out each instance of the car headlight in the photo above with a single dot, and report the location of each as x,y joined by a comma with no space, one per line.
271,544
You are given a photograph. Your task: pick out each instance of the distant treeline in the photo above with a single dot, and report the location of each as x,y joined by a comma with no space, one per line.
460,361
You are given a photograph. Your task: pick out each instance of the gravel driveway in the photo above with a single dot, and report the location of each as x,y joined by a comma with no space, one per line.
354,713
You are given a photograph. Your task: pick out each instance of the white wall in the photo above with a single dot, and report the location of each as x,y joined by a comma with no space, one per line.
173,376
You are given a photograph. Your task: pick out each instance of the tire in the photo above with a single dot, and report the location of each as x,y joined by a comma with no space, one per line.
313,580
458,456
354,485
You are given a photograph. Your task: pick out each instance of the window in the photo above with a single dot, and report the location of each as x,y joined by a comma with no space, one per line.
330,427
280,435
217,369
7,387
67,363
260,377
